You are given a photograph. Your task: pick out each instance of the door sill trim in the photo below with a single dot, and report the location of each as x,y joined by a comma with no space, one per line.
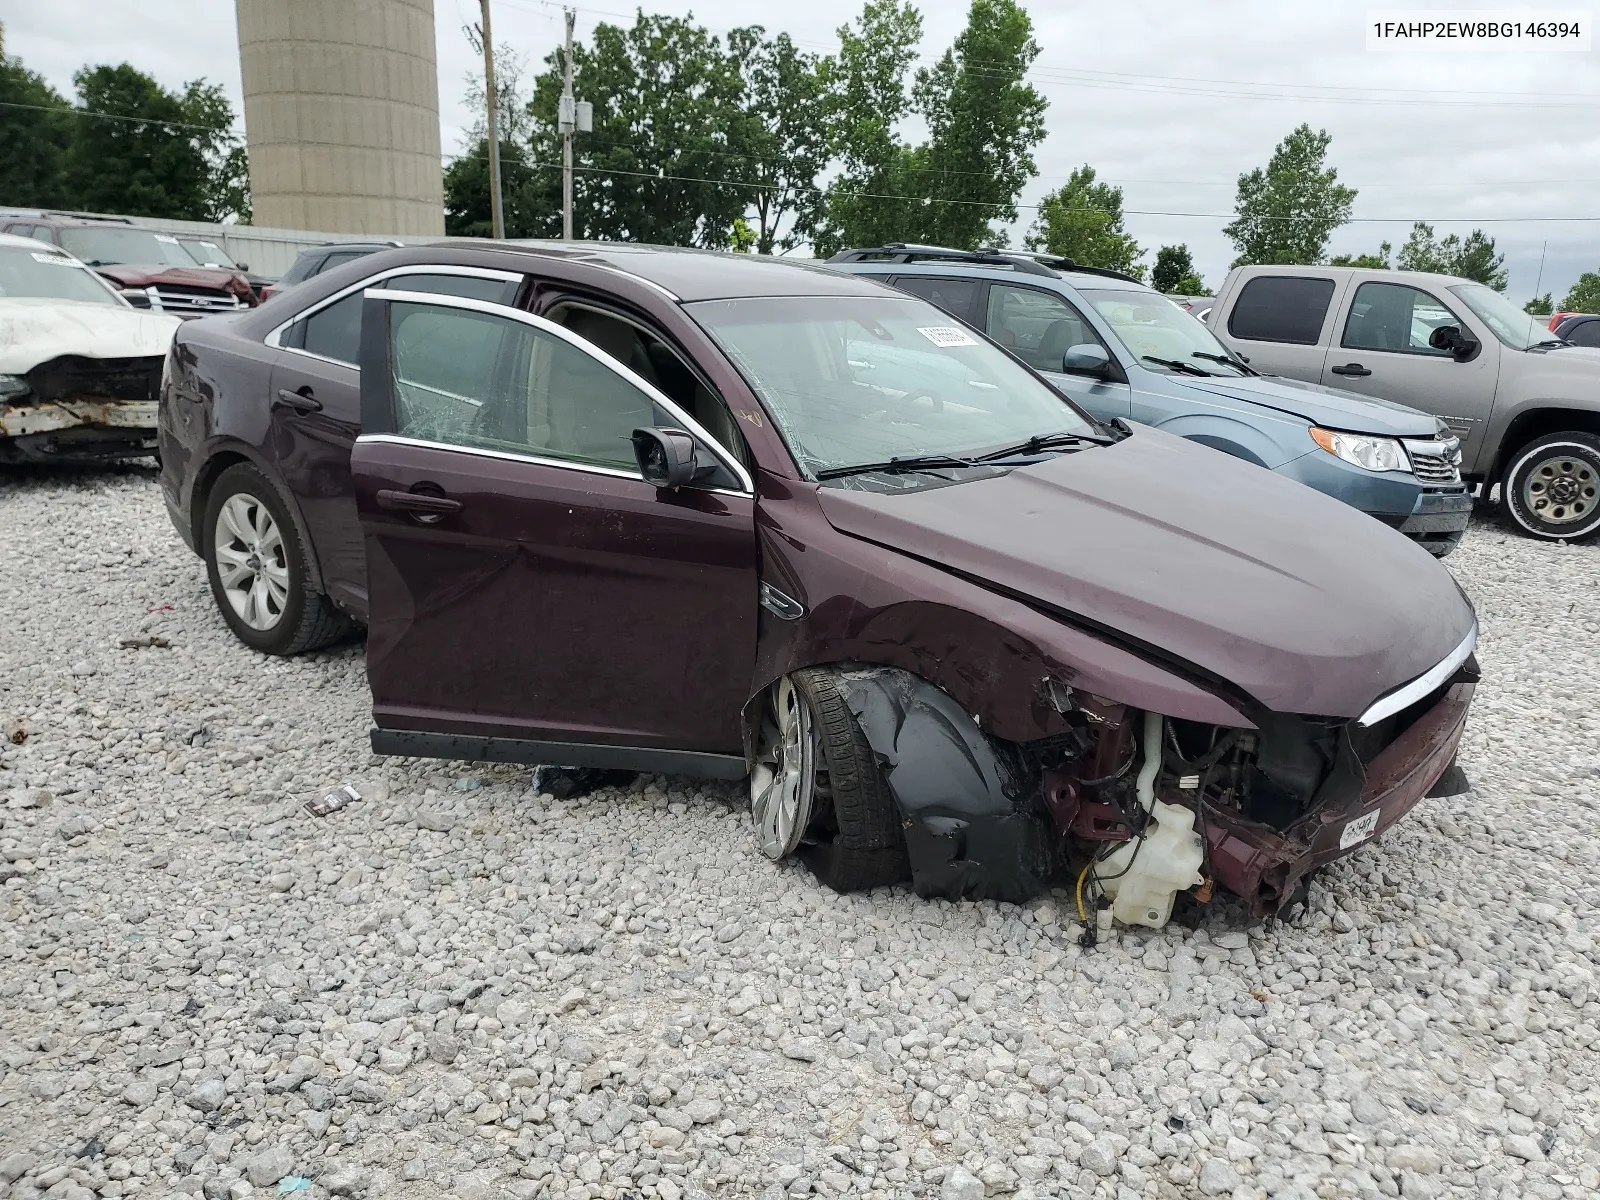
465,747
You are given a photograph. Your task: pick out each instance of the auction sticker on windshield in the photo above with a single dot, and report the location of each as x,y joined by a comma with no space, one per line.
1360,829
947,335
61,260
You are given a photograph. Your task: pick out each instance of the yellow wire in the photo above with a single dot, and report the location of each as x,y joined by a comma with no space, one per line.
1082,875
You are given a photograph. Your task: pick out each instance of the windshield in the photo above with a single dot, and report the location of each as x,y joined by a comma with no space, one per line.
46,276
104,247
209,254
858,380
1153,327
1510,324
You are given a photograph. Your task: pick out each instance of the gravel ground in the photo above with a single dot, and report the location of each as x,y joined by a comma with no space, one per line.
459,987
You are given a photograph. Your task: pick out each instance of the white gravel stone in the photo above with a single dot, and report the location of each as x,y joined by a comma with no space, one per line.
469,989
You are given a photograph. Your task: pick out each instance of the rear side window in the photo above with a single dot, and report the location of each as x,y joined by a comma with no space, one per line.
958,297
1396,318
1585,333
335,332
1281,308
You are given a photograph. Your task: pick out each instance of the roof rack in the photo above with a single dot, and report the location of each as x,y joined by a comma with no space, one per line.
1030,262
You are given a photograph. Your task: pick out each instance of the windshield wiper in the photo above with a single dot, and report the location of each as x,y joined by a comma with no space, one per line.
1181,367
1550,342
1046,441
1225,360
909,462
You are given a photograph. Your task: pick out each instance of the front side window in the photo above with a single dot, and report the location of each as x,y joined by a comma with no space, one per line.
481,381
107,247
335,332
1035,326
1281,308
851,380
1395,317
43,275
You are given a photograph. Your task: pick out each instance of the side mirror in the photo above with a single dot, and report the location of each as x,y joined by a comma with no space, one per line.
1451,338
666,457
1087,359
244,266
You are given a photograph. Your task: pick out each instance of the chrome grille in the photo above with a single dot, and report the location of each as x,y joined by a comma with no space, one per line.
1436,461
184,300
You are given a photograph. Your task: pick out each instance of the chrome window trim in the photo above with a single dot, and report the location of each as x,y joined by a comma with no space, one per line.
565,464
1408,694
275,335
589,350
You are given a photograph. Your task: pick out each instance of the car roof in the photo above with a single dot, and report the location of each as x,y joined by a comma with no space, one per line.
691,274
1341,272
1001,274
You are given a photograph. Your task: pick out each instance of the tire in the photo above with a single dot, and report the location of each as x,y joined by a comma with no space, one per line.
1552,488
281,615
854,841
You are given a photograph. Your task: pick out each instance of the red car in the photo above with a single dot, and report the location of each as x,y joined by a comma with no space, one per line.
151,269
622,507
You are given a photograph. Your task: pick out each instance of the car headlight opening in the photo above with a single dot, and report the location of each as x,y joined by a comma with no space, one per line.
1363,450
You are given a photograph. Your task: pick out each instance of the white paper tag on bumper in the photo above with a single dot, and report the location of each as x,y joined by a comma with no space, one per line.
948,335
1360,829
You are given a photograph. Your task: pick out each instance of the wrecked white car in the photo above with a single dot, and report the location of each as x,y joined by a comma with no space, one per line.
80,367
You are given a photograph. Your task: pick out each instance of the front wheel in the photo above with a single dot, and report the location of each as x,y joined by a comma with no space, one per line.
817,788
1552,489
257,569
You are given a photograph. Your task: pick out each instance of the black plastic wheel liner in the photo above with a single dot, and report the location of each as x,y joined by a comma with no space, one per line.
972,825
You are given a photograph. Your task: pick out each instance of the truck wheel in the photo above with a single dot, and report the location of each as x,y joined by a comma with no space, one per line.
257,569
1552,489
817,788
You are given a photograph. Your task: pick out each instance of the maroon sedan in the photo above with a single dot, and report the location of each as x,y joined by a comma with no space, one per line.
621,507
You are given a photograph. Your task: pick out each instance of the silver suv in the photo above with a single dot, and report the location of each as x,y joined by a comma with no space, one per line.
1524,402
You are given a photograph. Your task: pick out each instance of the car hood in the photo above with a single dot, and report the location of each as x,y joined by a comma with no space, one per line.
1325,406
139,275
34,331
1304,603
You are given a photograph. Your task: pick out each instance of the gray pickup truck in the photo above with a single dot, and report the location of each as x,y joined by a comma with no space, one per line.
1525,403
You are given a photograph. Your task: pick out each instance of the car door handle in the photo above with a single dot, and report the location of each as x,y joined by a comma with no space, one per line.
301,401
417,502
1350,369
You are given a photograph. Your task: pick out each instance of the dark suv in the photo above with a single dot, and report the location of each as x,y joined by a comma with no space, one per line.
621,507
151,269
317,259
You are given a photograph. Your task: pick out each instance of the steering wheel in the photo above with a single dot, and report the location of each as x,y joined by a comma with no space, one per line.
932,397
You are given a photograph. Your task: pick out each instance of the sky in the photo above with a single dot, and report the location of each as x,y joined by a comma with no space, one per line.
1171,99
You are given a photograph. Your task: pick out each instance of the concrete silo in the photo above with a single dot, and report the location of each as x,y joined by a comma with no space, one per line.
341,110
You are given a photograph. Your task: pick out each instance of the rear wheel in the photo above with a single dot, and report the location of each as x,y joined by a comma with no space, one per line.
817,788
1552,489
257,569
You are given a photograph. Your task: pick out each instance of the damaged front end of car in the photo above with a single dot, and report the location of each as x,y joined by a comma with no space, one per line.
75,409
1138,807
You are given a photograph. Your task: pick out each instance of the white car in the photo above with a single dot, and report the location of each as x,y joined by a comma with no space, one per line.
80,367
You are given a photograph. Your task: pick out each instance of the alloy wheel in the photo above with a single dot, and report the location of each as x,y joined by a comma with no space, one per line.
783,783
1562,490
252,561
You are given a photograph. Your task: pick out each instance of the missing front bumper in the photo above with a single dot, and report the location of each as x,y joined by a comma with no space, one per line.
77,430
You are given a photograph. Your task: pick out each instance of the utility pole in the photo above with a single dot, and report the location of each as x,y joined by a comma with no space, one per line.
496,212
568,123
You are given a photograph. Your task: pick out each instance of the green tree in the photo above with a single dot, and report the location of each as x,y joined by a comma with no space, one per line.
780,140
1471,258
466,194
983,123
1585,294
1285,213
151,153
656,167
35,130
1082,220
1539,306
1370,262
865,83
1174,272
